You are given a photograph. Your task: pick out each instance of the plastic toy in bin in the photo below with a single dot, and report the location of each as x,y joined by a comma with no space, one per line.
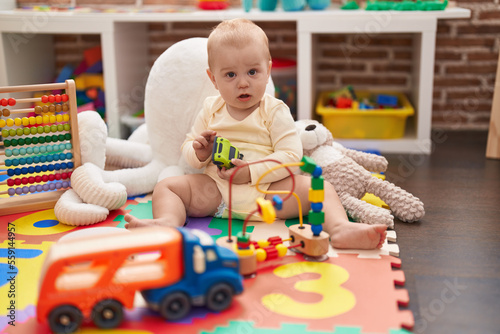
372,114
213,4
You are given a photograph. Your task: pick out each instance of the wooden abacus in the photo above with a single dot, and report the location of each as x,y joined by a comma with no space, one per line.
40,151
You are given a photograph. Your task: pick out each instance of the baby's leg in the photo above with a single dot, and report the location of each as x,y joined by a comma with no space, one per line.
196,195
343,233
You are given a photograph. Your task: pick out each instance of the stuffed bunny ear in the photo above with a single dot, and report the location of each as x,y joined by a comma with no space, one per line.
71,210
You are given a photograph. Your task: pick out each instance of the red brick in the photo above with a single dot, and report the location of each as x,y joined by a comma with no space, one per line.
467,106
168,38
275,25
482,56
156,26
470,94
489,15
325,79
398,55
491,81
355,53
473,69
402,40
289,39
443,28
449,119
448,55
65,38
478,29
468,3
207,26
284,52
392,68
455,81
332,39
373,80
341,67
481,120
96,39
465,41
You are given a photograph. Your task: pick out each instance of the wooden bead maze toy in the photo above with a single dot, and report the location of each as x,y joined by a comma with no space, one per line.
40,146
309,239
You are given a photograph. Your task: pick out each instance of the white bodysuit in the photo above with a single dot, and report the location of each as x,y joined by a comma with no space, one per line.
267,133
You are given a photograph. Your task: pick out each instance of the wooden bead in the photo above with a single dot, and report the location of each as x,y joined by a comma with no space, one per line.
311,245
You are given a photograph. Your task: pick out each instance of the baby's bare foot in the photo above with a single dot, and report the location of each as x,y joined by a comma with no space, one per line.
358,236
134,222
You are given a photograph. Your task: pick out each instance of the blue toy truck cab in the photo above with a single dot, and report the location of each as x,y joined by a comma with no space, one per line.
211,278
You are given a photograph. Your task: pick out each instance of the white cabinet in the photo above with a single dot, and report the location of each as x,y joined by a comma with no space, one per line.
27,55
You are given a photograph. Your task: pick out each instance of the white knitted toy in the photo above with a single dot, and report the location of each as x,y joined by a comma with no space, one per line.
175,90
349,172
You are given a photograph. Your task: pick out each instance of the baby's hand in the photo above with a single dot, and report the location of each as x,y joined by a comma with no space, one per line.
203,144
241,176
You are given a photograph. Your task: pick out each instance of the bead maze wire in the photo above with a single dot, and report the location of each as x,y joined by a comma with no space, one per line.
289,192
40,151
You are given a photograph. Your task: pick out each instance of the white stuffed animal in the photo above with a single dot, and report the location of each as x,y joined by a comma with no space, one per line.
175,90
349,172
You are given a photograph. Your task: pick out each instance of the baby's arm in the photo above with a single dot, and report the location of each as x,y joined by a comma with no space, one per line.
198,142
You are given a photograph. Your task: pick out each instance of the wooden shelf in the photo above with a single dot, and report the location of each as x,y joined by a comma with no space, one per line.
27,55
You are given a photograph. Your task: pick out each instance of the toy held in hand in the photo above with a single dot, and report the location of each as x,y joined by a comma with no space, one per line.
223,152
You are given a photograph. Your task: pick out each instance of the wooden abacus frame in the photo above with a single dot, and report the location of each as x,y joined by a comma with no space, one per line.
43,200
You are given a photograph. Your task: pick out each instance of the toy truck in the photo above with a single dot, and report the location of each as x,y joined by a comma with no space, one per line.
96,276
223,152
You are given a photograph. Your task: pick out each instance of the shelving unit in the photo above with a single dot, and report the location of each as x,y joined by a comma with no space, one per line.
27,56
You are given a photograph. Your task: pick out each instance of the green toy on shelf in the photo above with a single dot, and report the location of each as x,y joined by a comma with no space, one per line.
350,5
407,5
432,5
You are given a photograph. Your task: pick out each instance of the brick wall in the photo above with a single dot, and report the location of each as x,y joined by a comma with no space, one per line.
466,57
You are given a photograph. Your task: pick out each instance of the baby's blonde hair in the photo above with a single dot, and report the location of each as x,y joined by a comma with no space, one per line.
236,33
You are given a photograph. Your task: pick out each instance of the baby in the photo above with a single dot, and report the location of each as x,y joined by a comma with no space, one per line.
261,127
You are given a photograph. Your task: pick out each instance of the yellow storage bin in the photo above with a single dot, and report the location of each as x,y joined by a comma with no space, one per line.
365,123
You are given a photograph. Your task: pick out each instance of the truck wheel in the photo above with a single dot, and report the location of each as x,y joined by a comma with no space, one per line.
65,319
175,306
108,313
219,297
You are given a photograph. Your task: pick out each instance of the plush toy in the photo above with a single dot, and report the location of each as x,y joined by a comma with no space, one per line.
175,90
349,171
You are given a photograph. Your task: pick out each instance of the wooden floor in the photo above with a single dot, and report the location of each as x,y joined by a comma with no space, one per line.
451,258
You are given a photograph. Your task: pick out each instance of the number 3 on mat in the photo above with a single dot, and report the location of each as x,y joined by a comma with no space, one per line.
335,299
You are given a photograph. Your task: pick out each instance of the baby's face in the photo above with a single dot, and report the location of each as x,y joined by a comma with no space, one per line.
241,76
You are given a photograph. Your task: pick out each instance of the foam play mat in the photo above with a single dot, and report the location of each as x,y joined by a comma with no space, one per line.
350,292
